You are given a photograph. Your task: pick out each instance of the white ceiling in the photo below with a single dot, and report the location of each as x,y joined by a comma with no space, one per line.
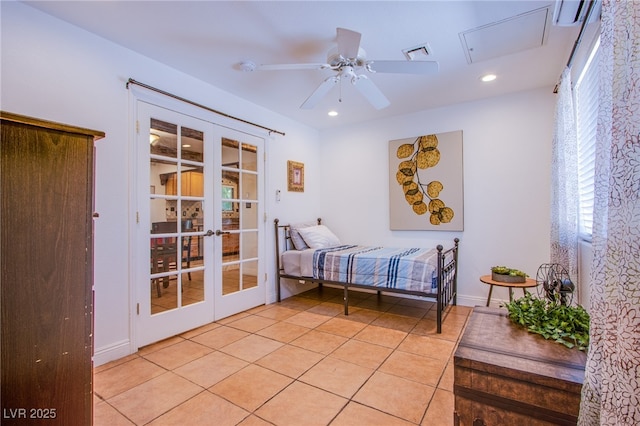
208,40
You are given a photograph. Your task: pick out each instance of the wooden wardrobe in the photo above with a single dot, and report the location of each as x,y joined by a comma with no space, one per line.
46,258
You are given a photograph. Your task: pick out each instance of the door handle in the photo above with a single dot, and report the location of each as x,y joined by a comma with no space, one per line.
209,233
219,232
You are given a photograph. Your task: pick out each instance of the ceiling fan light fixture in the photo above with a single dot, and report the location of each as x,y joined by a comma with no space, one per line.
349,73
488,77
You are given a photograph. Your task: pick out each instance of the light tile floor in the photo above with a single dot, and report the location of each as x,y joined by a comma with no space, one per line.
298,362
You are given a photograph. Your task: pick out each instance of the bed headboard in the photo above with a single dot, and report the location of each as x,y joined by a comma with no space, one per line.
283,236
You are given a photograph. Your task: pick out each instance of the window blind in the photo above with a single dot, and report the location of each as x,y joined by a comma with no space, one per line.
586,105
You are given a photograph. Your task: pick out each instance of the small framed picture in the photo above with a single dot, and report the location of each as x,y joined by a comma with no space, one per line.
295,176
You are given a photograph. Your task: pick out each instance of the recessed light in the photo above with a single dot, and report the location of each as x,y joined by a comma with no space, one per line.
186,145
332,113
247,66
488,77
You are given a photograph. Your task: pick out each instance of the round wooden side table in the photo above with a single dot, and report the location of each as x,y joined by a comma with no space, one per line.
529,282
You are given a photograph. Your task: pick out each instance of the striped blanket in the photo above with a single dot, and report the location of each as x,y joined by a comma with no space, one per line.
412,269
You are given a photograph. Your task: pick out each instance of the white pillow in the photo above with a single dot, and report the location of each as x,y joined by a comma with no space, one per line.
296,238
319,236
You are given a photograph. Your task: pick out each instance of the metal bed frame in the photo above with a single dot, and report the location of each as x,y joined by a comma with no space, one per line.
447,270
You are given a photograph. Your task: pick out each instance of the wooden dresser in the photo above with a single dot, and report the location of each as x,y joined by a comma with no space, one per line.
47,272
504,375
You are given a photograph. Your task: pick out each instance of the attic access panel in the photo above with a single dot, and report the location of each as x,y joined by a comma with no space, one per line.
521,32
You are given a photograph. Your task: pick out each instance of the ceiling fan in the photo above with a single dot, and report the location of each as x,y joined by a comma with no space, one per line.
348,59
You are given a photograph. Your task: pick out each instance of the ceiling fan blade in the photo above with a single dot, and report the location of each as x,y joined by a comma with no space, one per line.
348,43
370,91
278,67
404,67
320,92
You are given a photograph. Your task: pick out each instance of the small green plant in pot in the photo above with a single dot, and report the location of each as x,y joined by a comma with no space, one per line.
507,275
568,325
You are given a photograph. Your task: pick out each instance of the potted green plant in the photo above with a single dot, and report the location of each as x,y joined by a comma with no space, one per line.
564,324
507,275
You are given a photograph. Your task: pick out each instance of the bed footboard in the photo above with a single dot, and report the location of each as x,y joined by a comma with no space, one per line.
447,280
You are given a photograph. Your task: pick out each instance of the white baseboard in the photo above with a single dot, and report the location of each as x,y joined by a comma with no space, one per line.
466,300
479,301
290,287
112,352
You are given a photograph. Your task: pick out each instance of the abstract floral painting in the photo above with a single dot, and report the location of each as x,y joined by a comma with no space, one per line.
425,182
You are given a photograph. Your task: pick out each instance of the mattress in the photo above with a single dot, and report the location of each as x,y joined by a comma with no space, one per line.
411,269
298,263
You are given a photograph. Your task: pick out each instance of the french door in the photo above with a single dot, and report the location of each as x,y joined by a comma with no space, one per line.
199,190
240,285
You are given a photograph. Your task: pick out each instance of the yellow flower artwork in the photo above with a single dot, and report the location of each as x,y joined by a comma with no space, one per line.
424,171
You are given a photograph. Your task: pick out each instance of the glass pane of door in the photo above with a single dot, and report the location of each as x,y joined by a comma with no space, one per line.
176,204
239,211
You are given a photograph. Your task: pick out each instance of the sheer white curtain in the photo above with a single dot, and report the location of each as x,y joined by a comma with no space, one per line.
564,178
611,390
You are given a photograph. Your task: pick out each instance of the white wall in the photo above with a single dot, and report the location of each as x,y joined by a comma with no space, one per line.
506,162
55,71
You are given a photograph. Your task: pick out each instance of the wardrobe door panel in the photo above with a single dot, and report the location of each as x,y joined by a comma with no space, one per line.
47,273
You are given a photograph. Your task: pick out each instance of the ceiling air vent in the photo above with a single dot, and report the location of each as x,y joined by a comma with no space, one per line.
421,51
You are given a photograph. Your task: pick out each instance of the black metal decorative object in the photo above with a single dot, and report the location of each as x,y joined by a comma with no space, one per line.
554,283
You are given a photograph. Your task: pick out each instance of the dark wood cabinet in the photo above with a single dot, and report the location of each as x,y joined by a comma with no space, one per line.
47,271
504,375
